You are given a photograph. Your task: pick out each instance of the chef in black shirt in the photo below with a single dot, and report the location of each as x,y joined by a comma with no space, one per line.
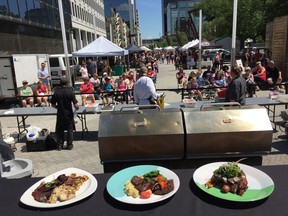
236,91
62,100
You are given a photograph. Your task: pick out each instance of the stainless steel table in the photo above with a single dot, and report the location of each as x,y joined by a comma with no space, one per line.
22,114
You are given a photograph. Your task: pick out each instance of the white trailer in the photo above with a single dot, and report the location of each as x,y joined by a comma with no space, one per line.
16,68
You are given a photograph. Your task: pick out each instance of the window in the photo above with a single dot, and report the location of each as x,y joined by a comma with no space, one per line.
182,4
23,10
44,14
182,13
50,13
73,9
3,7
13,8
38,14
190,4
172,5
54,62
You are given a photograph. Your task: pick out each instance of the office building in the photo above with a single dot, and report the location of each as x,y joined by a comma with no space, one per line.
33,26
175,16
126,10
85,15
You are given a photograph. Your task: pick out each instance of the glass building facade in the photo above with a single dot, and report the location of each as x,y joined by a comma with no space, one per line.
32,26
175,15
125,8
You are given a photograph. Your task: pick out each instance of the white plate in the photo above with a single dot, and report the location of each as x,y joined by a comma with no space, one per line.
88,188
116,183
260,185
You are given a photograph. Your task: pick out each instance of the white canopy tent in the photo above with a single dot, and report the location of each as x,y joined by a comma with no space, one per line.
157,48
100,47
169,48
189,44
145,48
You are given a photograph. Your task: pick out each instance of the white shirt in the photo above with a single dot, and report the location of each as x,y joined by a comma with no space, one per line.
84,72
43,73
143,89
94,81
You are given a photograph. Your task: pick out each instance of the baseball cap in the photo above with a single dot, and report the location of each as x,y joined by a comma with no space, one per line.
272,62
104,73
24,82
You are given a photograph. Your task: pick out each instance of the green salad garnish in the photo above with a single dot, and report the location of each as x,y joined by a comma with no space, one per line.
151,176
229,170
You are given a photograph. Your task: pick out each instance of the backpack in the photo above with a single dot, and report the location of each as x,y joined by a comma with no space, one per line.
51,141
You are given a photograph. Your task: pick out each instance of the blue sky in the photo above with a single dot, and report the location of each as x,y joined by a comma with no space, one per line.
150,18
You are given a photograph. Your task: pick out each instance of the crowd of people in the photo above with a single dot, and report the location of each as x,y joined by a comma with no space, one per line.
138,85
217,80
99,83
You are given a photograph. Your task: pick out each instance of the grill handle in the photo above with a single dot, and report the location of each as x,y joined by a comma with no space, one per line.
219,106
149,107
141,107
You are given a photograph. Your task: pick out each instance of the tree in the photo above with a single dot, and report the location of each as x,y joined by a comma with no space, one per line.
251,18
276,8
161,43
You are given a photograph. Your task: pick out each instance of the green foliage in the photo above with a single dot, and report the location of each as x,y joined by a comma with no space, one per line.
162,43
252,16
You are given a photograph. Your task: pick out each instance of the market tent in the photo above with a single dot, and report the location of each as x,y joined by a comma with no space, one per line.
101,47
169,48
206,45
157,48
145,48
189,44
132,48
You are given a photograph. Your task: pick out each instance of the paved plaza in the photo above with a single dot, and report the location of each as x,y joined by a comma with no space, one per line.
85,154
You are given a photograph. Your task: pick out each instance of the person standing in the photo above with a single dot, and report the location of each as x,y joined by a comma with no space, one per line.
83,70
91,68
247,57
43,74
62,100
236,91
144,89
107,68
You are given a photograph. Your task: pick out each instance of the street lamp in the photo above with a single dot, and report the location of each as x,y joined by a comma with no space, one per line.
200,40
68,75
233,47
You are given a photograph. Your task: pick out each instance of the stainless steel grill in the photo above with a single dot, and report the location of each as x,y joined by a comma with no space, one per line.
141,134
227,130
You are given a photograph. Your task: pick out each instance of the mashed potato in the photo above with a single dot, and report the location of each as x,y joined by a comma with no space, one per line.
130,190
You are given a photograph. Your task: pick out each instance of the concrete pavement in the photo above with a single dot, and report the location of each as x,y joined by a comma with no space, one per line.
85,154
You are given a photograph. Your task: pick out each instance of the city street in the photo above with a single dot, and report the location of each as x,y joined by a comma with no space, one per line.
85,154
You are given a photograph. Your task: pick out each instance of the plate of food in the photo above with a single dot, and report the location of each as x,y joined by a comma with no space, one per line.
143,184
61,188
233,181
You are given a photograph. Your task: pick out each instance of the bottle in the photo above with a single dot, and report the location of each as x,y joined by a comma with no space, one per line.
43,107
